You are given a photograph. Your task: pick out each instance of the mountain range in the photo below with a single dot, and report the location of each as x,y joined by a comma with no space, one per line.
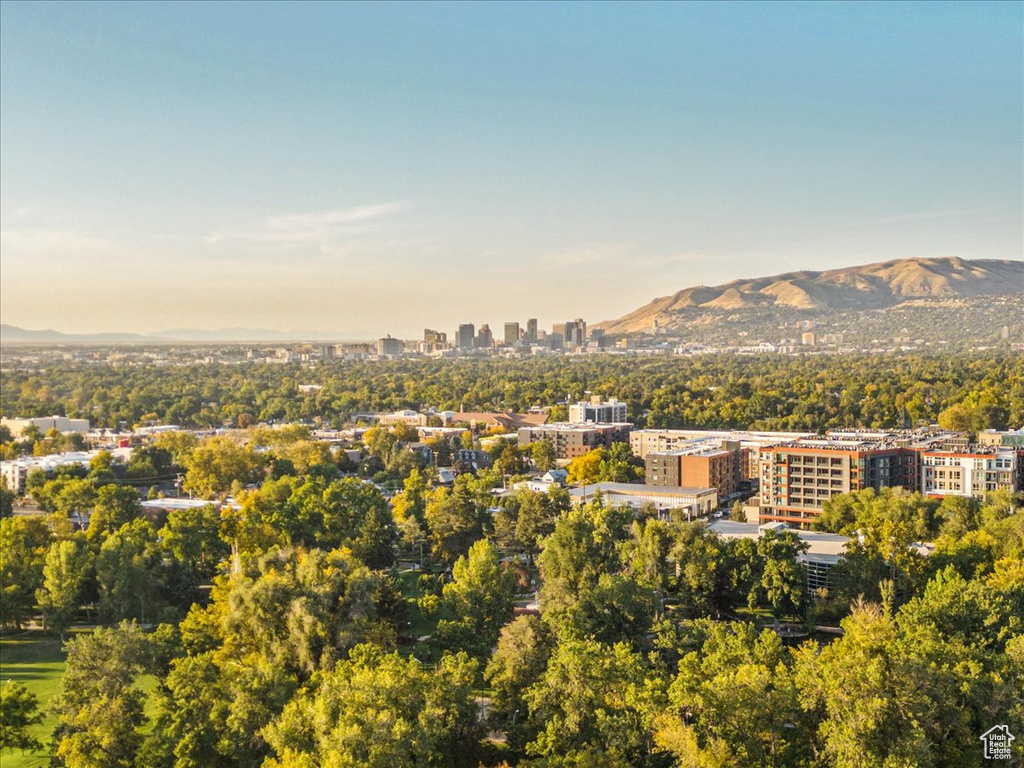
940,297
12,333
863,288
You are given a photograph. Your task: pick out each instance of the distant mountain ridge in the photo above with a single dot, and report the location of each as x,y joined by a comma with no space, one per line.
866,287
12,333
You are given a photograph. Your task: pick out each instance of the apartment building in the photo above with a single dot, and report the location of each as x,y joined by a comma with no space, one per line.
973,472
597,410
701,467
797,478
644,441
573,440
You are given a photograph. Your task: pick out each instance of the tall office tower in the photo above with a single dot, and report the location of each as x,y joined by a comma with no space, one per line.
531,329
511,333
434,337
576,333
484,337
390,346
467,336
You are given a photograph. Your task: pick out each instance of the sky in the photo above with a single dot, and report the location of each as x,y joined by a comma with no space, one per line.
380,168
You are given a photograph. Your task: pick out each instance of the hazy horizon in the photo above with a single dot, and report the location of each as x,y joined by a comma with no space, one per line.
364,169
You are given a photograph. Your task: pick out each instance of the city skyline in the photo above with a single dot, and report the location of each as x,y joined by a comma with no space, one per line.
371,169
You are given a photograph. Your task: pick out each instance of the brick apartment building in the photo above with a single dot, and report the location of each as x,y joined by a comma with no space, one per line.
573,440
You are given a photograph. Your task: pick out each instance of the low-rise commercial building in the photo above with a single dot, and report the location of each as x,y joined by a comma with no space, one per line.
45,423
689,502
410,418
15,472
824,550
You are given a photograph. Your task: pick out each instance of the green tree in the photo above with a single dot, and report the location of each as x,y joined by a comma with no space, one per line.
7,498
192,537
872,700
409,508
212,709
127,574
619,465
24,543
543,455
19,709
455,521
382,711
115,506
100,711
535,518
180,446
101,467
705,574
735,702
519,660
481,593
72,497
218,463
616,609
65,570
778,579
585,699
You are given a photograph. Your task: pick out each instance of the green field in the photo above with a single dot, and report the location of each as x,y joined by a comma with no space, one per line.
37,662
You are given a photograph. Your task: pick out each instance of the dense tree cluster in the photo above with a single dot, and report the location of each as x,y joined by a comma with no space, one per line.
311,620
762,392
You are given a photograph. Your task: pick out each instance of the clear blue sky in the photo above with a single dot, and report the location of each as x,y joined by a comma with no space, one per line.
378,168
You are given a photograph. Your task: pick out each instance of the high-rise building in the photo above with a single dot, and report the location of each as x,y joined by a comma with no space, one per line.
467,336
576,333
531,330
390,346
511,333
484,337
434,337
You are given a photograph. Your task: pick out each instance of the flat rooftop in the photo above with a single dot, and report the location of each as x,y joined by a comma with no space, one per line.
635,489
824,546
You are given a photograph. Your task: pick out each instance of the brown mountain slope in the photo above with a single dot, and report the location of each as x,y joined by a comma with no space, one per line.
871,286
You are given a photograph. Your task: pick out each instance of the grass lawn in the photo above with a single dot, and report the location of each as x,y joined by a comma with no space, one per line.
419,625
37,662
